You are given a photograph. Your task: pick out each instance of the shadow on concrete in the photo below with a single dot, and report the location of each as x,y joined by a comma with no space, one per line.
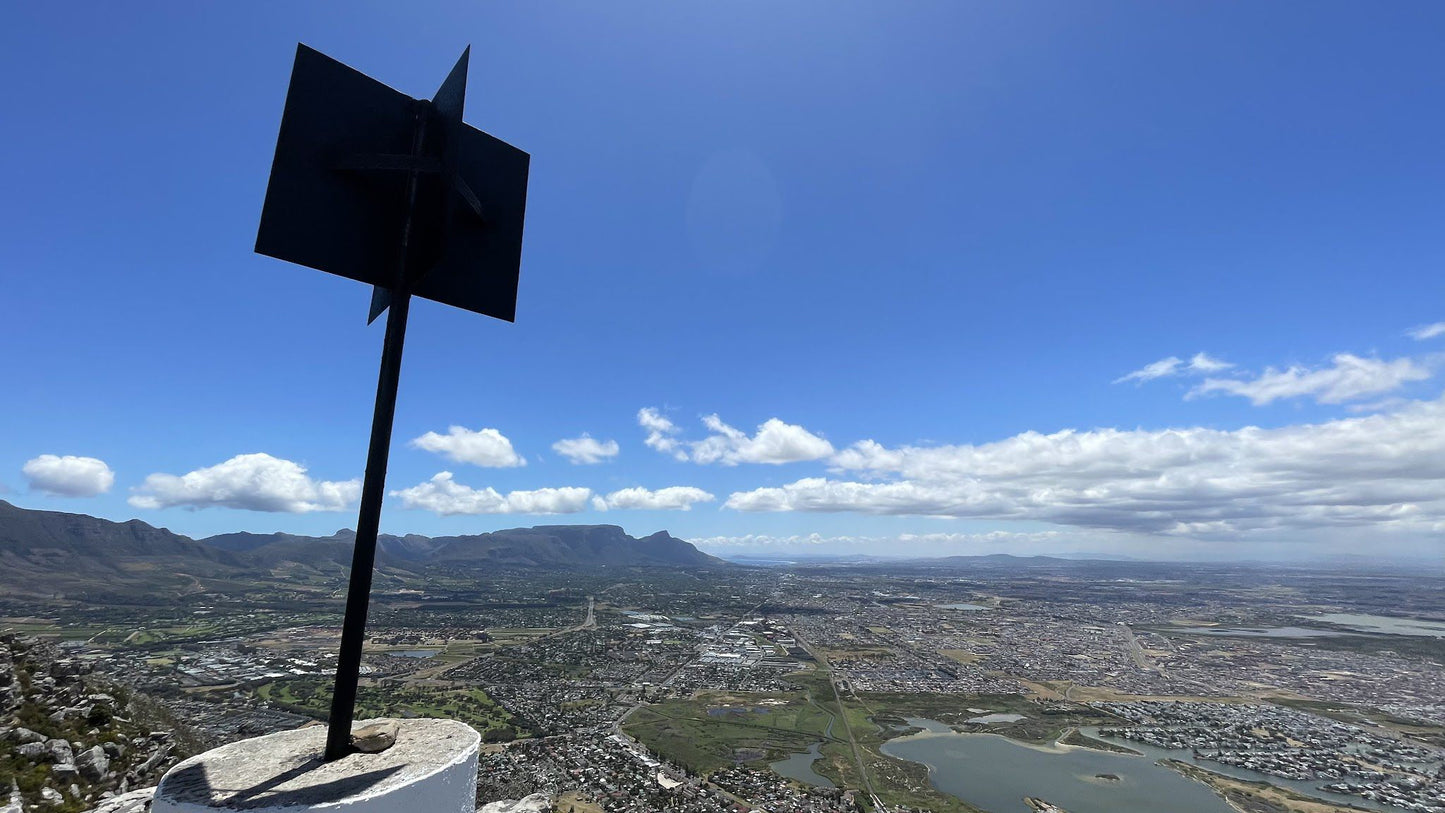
191,784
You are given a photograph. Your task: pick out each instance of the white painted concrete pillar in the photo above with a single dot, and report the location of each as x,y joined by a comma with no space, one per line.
431,768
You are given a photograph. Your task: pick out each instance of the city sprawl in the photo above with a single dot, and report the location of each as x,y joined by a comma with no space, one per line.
776,688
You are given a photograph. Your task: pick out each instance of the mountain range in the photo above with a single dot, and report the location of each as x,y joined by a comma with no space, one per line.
45,552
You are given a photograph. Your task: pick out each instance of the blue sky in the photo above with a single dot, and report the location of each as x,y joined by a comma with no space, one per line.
946,231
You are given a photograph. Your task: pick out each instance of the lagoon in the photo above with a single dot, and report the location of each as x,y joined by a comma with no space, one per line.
994,773
1260,632
1383,624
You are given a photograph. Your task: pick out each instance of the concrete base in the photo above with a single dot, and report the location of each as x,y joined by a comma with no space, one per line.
432,767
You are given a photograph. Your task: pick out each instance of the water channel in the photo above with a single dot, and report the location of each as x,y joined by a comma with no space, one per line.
799,766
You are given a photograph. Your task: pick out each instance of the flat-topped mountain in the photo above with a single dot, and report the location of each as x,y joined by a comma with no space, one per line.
544,545
44,552
567,545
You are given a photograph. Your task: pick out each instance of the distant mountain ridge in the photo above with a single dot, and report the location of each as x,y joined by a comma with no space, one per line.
50,551
543,545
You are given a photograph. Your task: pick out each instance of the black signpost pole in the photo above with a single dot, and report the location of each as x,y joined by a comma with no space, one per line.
373,488
363,556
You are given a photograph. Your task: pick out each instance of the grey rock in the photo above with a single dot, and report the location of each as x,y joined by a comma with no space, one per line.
51,795
93,763
374,738
60,751
114,750
32,750
536,803
138,801
153,760
26,735
63,771
65,668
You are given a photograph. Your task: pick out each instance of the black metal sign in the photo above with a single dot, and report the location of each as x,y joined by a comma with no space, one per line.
371,184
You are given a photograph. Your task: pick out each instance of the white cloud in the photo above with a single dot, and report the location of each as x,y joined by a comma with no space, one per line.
661,432
485,447
1383,471
775,441
1205,363
673,498
1347,378
1159,369
447,497
253,482
586,449
68,476
1424,332
1173,365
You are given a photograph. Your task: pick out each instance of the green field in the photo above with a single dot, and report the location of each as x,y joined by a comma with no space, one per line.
471,706
715,729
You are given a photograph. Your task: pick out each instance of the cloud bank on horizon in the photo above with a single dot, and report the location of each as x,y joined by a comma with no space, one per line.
1383,470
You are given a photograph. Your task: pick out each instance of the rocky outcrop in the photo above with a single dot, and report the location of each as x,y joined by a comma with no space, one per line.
71,727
